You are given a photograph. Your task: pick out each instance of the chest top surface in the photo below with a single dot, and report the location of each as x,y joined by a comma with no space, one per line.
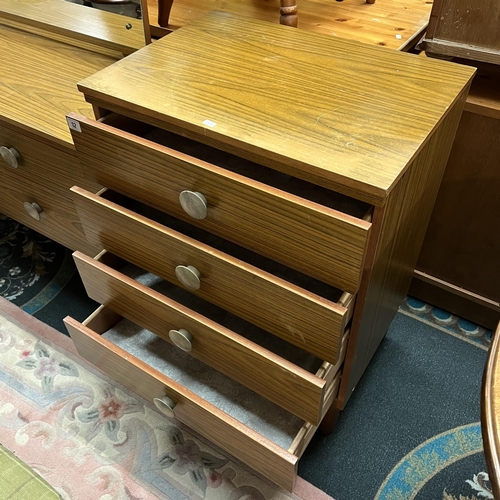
38,82
337,111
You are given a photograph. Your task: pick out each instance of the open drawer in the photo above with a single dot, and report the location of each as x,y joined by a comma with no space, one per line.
316,231
271,441
290,377
290,305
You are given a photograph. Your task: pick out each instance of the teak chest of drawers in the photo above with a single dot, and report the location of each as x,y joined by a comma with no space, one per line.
270,189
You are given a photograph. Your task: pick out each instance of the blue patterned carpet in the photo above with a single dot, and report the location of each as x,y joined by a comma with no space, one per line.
411,429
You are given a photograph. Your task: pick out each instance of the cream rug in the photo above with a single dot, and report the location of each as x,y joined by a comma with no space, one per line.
94,440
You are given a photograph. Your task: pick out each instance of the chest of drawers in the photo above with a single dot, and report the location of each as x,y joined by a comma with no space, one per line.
267,193
38,164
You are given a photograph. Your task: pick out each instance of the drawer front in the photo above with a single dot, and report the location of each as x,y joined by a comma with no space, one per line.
303,235
266,373
38,160
58,220
230,435
299,317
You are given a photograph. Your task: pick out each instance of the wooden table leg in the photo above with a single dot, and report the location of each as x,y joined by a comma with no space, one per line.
164,8
288,13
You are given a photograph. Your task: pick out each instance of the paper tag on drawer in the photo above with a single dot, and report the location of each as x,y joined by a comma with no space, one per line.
73,124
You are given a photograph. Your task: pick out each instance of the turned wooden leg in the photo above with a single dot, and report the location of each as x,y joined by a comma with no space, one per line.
164,8
288,13
329,420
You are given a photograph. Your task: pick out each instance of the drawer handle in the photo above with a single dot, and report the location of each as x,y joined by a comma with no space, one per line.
194,204
10,156
33,209
181,339
189,276
165,405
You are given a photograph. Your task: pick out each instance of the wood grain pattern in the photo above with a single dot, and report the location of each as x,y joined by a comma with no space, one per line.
376,24
40,109
271,376
94,26
320,242
45,175
233,437
490,413
225,279
398,232
59,220
461,28
468,206
330,131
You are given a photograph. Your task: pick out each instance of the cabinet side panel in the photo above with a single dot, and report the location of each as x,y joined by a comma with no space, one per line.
401,226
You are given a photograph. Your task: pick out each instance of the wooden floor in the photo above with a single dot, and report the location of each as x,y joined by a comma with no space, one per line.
391,23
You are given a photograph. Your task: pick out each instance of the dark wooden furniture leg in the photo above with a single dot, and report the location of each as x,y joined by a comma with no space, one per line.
288,13
164,8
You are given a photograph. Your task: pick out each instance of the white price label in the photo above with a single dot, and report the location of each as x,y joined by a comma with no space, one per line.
73,124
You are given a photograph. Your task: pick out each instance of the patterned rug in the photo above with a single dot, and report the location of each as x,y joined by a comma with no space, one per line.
92,439
410,431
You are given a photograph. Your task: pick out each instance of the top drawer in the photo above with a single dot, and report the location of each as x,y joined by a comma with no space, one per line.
243,202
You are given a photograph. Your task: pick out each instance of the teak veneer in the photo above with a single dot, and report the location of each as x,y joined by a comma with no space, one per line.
289,194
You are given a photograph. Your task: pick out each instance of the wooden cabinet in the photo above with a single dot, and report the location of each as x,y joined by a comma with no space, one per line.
257,242
39,164
459,265
460,28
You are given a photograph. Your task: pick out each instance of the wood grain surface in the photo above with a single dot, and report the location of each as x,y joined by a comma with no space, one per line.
355,135
389,23
271,376
300,317
319,241
484,97
218,427
460,28
41,109
398,232
462,244
490,413
59,220
95,26
45,175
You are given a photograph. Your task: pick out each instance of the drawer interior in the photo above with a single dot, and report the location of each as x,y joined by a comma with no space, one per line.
256,412
246,168
236,400
243,328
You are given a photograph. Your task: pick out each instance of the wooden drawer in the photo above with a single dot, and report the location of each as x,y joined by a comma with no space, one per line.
315,239
58,221
300,316
277,461
44,175
269,366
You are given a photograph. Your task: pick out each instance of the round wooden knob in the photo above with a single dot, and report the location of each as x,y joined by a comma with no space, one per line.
194,204
181,338
33,209
165,405
189,276
10,156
